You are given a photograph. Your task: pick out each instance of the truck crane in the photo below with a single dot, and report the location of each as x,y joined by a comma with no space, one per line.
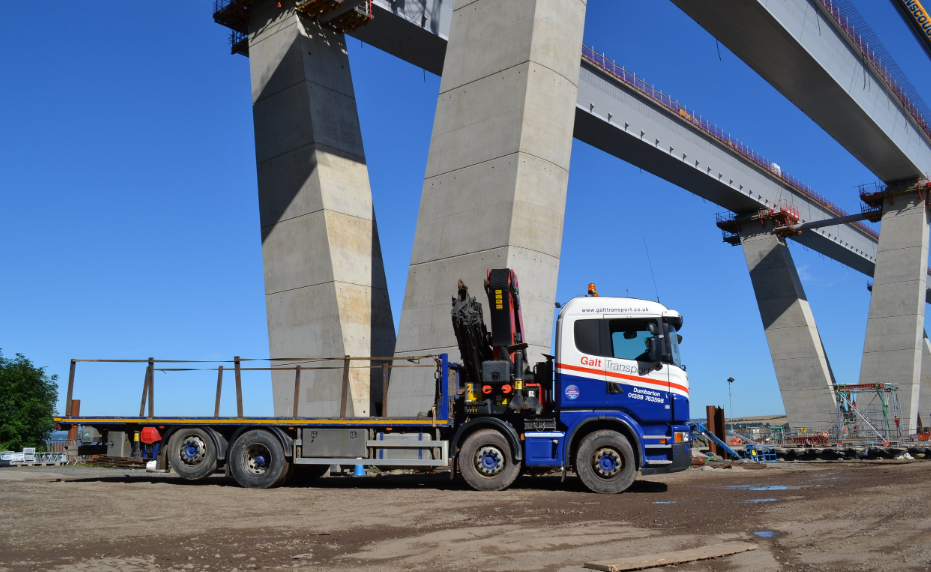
612,403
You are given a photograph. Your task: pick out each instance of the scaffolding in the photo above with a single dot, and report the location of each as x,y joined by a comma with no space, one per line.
344,15
867,414
239,43
872,195
730,229
234,14
347,16
783,214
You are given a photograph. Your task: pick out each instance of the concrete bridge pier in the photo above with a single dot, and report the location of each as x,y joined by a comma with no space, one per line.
495,188
325,287
802,368
924,393
893,349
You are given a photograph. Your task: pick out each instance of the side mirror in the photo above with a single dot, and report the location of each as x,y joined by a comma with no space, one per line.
656,348
656,344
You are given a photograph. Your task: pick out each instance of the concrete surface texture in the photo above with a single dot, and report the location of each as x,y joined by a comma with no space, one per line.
495,188
894,330
924,393
802,368
325,287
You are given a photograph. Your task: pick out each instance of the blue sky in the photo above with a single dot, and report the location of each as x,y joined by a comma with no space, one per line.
130,213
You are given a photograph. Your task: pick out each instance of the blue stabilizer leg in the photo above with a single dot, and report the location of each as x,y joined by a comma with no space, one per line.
699,428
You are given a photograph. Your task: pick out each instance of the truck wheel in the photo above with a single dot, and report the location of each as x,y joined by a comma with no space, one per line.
257,460
286,476
606,463
192,454
486,463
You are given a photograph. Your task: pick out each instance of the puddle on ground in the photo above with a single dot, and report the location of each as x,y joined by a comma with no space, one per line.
666,502
766,533
762,500
759,487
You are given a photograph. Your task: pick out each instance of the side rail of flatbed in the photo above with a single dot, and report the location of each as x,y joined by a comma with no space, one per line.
439,363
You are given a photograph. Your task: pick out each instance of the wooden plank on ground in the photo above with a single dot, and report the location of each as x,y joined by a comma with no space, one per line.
753,466
670,558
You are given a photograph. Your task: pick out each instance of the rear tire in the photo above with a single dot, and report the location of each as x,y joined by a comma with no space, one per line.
257,460
606,463
285,478
192,453
485,461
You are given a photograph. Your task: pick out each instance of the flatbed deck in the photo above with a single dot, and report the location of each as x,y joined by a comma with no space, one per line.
279,421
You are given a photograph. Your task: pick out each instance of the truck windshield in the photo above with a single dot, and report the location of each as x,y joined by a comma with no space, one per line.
630,339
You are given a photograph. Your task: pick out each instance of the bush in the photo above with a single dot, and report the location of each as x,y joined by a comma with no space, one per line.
27,404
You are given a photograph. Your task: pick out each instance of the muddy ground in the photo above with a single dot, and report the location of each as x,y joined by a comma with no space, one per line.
848,515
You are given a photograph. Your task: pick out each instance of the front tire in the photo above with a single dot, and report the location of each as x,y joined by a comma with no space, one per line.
486,463
606,463
192,453
257,460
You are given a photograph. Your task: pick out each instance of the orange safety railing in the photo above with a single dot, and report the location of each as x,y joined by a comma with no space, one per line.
867,42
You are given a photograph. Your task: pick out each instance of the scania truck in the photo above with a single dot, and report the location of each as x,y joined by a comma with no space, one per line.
613,402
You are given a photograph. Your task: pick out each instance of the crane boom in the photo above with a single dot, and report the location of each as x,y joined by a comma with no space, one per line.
918,19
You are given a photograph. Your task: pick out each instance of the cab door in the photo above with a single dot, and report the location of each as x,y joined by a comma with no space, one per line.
580,376
634,383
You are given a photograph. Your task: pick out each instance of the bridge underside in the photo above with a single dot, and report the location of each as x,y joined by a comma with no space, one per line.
797,46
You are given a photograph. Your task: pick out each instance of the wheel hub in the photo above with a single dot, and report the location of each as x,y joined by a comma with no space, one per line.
489,461
606,462
258,459
193,450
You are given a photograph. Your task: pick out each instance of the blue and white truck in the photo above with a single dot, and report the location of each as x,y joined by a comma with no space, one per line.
613,402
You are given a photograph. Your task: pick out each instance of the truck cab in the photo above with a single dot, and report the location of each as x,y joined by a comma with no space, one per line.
613,402
618,366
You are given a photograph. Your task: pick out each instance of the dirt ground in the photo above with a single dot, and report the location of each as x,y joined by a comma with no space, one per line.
847,515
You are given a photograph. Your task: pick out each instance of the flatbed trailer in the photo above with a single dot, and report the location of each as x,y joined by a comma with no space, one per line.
289,431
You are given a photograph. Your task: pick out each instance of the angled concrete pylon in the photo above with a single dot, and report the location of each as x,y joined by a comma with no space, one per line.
494,193
924,395
893,347
802,367
325,287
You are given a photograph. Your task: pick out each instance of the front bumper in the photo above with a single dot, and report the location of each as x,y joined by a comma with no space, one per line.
681,460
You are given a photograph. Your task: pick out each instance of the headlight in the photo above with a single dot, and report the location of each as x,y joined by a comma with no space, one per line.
682,436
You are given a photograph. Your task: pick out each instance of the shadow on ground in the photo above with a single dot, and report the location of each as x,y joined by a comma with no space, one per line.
439,482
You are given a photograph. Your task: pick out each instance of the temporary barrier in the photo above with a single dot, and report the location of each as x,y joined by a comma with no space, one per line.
760,453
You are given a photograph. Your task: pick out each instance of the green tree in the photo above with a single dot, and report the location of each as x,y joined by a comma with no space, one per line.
27,403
